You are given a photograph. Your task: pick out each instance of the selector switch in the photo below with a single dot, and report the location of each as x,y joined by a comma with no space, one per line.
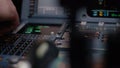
101,24
58,36
83,23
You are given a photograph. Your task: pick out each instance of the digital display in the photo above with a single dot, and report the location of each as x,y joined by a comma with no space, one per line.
36,29
43,29
33,29
103,8
49,8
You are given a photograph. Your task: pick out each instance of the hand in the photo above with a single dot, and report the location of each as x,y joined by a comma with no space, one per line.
9,19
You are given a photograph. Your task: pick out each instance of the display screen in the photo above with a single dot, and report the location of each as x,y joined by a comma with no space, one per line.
103,8
43,29
32,29
49,7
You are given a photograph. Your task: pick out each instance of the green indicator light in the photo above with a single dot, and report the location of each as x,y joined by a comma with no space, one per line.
29,30
37,31
38,27
114,15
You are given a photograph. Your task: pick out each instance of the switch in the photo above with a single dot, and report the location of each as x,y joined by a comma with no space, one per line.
83,23
101,24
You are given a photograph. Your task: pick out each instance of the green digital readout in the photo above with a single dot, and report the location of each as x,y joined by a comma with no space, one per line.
37,31
31,29
38,27
115,15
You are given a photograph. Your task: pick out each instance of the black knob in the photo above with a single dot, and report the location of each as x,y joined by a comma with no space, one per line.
43,54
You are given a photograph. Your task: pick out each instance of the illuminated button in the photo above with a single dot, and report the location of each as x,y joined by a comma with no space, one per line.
38,27
114,15
100,13
37,31
83,23
101,24
105,13
29,30
95,13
